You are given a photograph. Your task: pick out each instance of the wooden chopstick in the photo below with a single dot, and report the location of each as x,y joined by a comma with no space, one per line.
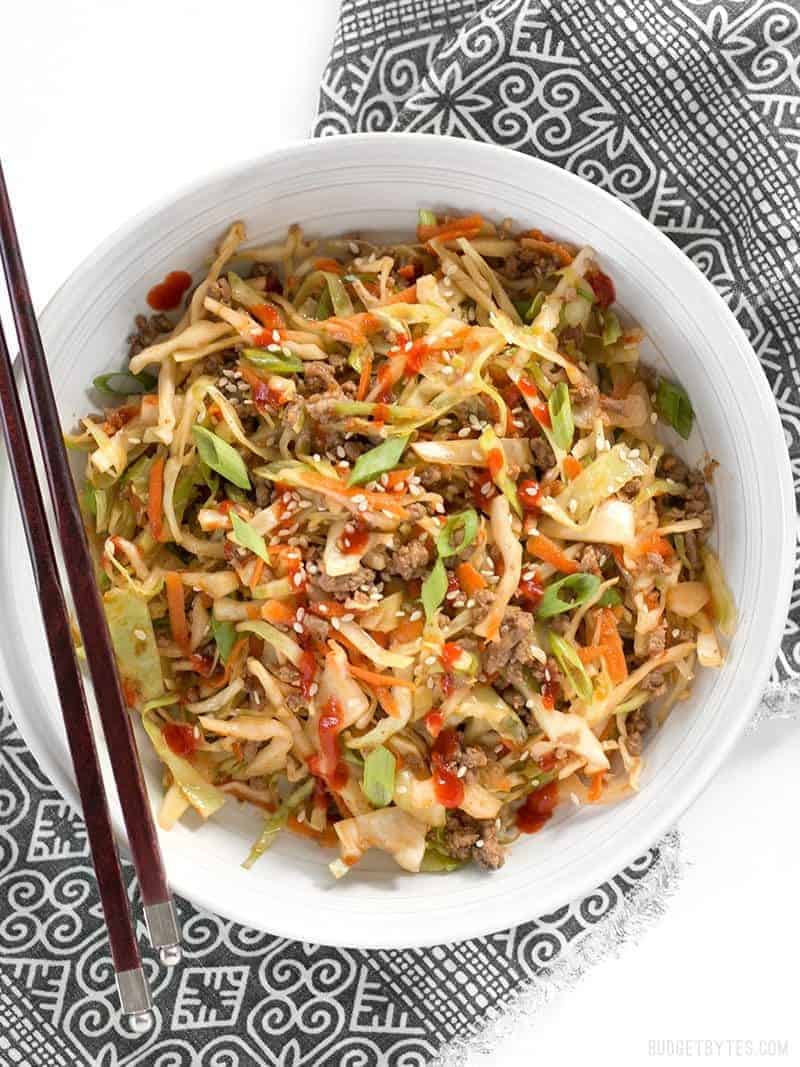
133,989
158,907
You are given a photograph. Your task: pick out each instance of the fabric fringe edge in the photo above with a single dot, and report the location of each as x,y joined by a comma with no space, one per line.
625,925
781,700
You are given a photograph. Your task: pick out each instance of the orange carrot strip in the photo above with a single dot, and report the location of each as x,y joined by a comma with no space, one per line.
543,243
572,467
332,266
366,373
470,580
258,570
279,613
408,631
177,610
352,330
155,498
543,548
387,702
652,543
612,643
468,226
405,296
596,788
380,680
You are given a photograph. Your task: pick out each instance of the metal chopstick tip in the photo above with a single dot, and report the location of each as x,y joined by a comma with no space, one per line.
134,999
170,955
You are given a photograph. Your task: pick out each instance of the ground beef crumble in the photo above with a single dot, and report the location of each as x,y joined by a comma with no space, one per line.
467,838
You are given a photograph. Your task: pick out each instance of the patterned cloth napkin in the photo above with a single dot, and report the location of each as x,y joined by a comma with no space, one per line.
690,111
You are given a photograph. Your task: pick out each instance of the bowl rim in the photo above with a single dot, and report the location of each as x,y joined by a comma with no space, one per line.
597,870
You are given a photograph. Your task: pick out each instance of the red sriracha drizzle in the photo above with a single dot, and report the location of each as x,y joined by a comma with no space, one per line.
602,287
447,787
530,494
494,461
167,295
330,767
354,539
181,738
531,591
538,807
308,670
539,410
434,720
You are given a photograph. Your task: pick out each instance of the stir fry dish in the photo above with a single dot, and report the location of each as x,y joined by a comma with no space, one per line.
388,544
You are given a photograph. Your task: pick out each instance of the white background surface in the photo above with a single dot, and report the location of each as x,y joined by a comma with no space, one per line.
107,105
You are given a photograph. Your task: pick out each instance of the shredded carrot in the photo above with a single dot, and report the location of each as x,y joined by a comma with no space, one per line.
652,543
609,646
572,467
269,317
404,296
279,613
366,374
237,655
177,610
352,330
376,679
470,579
409,272
379,501
327,838
468,226
543,548
596,788
155,498
408,631
331,266
258,570
397,477
387,702
542,243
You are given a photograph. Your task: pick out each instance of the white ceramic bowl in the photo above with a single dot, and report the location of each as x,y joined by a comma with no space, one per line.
377,182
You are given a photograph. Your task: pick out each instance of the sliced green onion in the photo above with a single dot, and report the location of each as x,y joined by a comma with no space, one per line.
585,292
674,407
378,783
612,331
434,588
225,637
384,457
221,457
88,499
457,533
275,822
355,359
534,308
123,383
160,702
274,362
342,304
560,408
578,587
324,308
426,218
609,599
543,383
247,537
436,862
570,663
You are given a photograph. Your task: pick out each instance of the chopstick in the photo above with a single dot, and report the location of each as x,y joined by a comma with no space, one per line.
158,907
133,989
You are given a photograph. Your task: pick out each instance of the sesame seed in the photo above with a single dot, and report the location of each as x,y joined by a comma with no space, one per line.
401,789
461,772
573,506
297,627
335,623
300,613
479,843
313,689
301,816
140,635
654,418
676,633
415,615
276,336
348,617
430,660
